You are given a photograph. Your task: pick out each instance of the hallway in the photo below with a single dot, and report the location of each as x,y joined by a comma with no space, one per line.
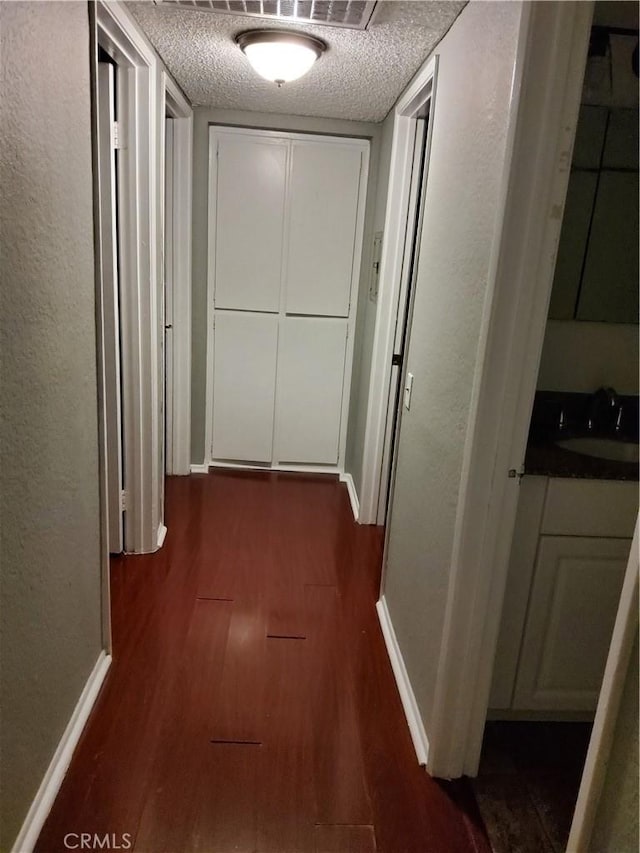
251,704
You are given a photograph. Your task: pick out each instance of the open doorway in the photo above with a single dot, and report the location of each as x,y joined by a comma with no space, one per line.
578,501
128,109
398,267
109,263
176,292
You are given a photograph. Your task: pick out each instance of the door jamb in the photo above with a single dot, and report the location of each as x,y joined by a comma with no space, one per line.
546,92
374,478
613,682
181,112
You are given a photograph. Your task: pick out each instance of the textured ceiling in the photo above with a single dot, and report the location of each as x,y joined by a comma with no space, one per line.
359,77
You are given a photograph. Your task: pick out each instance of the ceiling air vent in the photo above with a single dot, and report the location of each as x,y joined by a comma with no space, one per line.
352,14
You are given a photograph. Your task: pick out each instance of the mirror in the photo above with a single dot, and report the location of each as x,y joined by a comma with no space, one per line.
596,275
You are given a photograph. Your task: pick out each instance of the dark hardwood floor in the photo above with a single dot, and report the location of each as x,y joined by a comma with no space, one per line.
251,705
528,783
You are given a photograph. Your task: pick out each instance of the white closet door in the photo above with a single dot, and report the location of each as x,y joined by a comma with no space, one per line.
311,355
244,381
249,219
323,208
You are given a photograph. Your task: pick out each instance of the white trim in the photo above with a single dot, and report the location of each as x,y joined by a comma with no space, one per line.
180,417
199,468
364,146
613,682
353,494
139,221
546,90
162,533
407,696
100,354
395,231
50,785
283,467
176,101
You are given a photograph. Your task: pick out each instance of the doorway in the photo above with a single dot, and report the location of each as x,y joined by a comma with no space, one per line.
109,264
400,384
176,292
577,502
398,265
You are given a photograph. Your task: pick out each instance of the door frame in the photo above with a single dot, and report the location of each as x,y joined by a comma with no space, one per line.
604,725
178,420
545,103
107,298
377,452
114,30
364,146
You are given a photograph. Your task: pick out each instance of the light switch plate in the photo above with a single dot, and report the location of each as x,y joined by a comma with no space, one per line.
408,385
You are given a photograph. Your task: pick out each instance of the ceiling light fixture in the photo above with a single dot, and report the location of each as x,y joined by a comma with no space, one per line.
278,55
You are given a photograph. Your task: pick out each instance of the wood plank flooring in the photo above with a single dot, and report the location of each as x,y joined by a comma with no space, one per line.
250,706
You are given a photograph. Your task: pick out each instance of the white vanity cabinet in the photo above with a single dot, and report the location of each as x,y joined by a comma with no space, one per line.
568,558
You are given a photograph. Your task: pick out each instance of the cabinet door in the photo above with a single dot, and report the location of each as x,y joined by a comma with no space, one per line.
249,222
311,356
572,610
516,595
244,381
323,208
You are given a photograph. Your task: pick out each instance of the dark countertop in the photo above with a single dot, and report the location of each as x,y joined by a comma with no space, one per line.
549,460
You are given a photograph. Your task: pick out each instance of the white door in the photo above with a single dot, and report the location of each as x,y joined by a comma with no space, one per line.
323,211
286,220
244,383
249,222
311,357
572,610
110,303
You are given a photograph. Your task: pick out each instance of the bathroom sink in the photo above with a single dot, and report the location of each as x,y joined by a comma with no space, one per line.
602,448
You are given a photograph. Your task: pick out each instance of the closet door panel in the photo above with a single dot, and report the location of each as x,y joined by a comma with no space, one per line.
249,227
311,356
244,381
323,209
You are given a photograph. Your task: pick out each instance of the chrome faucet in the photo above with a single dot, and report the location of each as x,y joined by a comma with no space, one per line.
602,406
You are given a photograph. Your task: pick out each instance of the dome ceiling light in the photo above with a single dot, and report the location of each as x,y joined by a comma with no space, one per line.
278,55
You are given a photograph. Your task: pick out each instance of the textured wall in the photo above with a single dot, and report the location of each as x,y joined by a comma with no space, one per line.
367,310
616,824
579,356
50,588
202,119
465,174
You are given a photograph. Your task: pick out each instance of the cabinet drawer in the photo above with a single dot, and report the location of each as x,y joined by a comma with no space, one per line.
605,508
572,609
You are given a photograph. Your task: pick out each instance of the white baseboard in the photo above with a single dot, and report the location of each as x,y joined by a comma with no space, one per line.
162,532
407,696
353,495
276,468
50,785
195,468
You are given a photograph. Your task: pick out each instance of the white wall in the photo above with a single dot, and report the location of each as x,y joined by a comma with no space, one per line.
203,118
579,356
465,174
367,310
49,503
